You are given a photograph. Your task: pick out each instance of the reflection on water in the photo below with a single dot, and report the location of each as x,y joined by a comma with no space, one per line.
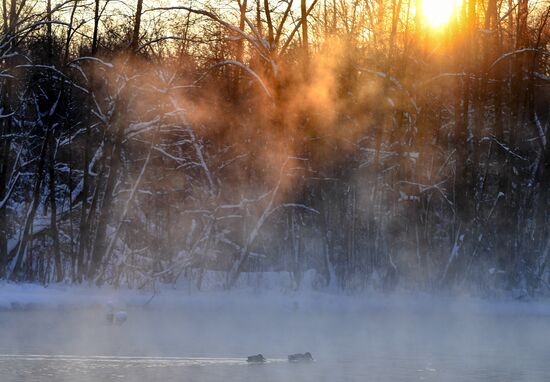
83,369
211,344
104,368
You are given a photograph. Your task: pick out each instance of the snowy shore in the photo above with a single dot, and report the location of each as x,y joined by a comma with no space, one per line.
272,293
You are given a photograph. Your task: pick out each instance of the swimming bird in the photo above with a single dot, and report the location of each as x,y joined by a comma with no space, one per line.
259,358
113,317
120,317
299,357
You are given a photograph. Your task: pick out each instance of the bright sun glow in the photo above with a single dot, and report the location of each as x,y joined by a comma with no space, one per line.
438,12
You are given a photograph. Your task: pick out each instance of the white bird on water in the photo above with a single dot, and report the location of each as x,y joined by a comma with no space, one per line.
117,318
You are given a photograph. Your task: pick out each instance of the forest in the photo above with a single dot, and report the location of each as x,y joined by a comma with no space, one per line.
379,143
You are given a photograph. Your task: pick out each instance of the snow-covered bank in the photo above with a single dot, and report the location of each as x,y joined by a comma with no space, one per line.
271,292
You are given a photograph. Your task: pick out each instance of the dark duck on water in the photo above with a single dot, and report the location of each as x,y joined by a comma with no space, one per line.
256,359
299,357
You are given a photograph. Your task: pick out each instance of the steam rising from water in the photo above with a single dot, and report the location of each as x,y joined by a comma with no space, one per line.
351,339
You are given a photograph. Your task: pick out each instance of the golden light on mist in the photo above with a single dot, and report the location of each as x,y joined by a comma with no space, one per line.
438,13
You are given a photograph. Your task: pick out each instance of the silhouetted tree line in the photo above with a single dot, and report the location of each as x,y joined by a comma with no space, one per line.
147,141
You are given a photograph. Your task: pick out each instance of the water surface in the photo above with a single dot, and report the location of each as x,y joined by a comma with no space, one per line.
210,343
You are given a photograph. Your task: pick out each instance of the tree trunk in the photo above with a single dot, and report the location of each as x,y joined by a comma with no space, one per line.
16,273
83,227
305,36
70,33
134,45
95,42
54,232
114,143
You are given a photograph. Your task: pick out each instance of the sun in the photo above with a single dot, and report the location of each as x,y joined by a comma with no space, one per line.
437,13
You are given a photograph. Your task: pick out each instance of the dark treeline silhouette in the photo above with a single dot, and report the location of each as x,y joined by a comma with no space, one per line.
148,141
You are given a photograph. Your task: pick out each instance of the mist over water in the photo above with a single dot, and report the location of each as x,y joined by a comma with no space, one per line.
391,340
